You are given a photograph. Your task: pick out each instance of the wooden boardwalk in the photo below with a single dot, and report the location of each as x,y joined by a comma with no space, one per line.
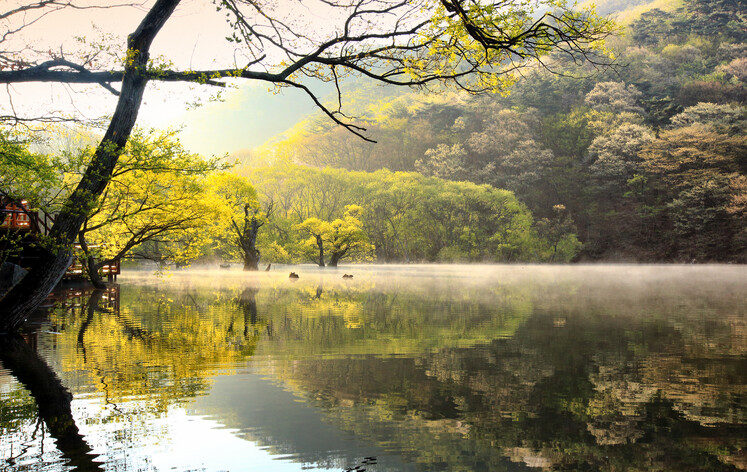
29,226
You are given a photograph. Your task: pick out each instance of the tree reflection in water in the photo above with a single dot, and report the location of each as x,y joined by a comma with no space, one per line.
138,366
441,375
52,400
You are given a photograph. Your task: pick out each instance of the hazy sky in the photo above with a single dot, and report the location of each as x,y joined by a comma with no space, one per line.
193,38
246,118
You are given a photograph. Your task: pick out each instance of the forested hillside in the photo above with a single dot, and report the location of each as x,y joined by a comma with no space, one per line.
645,160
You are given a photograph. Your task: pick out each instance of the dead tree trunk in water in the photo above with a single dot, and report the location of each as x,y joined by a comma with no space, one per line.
320,245
246,234
246,238
47,271
251,253
335,257
92,268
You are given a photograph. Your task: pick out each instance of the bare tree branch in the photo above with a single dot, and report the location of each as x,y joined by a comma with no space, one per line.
390,41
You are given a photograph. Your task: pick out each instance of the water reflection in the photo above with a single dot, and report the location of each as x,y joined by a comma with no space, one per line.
502,368
53,402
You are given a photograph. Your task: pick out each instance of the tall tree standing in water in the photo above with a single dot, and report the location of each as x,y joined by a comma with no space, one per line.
239,217
475,46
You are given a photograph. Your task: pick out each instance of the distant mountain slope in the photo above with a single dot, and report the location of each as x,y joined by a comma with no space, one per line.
607,7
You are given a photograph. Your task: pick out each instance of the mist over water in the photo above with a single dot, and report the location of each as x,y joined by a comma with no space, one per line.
393,275
402,367
618,286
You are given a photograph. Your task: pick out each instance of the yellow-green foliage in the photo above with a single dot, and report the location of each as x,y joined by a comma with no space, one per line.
406,216
154,206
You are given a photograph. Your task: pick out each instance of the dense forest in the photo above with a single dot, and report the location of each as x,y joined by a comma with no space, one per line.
644,160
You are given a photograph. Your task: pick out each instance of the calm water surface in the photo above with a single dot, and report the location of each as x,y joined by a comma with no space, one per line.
402,368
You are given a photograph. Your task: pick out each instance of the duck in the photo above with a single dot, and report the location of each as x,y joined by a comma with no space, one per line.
293,275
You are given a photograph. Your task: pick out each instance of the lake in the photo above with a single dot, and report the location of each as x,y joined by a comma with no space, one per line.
401,368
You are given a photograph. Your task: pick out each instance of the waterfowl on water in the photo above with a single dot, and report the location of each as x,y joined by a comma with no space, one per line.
347,276
293,275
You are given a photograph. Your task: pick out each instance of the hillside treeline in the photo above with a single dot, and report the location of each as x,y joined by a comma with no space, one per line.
403,216
647,158
169,206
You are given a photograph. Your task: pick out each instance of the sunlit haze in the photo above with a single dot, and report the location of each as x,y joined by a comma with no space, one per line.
245,116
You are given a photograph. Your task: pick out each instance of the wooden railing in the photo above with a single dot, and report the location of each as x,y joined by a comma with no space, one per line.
17,216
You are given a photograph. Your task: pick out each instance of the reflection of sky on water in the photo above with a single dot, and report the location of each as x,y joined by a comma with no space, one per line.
245,422
275,421
200,443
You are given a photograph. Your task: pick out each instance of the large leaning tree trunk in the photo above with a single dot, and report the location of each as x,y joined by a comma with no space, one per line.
47,271
245,234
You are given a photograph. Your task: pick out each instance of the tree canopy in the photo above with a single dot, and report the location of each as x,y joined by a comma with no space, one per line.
154,206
